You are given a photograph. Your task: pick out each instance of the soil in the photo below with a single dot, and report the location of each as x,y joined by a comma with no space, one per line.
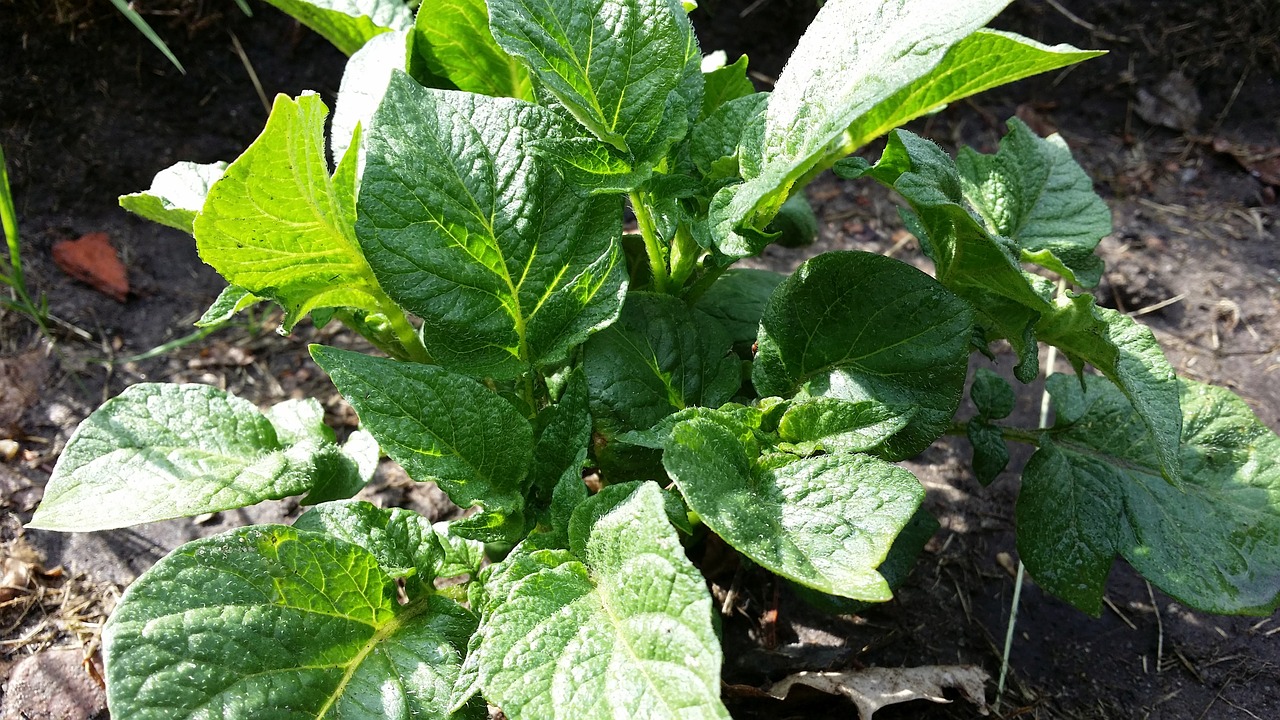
90,111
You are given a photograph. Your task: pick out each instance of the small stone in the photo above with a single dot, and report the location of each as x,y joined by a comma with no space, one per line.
53,685
93,260
9,449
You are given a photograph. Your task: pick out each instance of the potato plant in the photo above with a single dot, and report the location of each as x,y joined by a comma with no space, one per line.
472,228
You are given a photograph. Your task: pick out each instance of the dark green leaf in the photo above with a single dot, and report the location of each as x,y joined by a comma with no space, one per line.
990,453
991,394
737,299
724,83
1094,489
658,358
505,263
795,224
439,426
825,522
858,326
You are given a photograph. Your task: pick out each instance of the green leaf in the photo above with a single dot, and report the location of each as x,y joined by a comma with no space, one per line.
160,451
276,226
981,61
563,433
459,555
227,305
991,394
628,70
1094,489
990,453
296,421
439,426
854,56
349,24
364,83
270,621
402,541
591,164
1035,194
825,522
715,143
724,83
858,326
737,299
452,40
795,224
505,263
658,358
622,625
836,425
1127,353
176,195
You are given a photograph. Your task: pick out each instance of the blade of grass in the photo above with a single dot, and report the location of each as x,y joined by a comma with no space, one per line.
9,219
244,7
147,32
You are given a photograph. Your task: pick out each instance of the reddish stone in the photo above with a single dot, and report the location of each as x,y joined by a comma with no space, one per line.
93,260
53,685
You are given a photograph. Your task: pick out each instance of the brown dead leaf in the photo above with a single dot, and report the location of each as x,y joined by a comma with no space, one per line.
1260,161
20,379
874,688
93,260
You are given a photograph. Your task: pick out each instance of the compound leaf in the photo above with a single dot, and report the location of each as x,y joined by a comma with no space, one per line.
270,621
825,522
160,451
622,624
628,70
176,195
440,426
1094,489
349,24
658,358
276,225
468,229
859,326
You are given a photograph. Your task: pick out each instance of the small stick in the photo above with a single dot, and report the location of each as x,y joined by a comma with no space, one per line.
1159,628
253,75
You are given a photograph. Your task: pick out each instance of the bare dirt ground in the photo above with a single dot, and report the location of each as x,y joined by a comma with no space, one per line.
89,111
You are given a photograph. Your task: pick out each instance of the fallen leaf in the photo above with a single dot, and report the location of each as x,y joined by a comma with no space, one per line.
874,688
1261,161
93,260
1174,103
20,379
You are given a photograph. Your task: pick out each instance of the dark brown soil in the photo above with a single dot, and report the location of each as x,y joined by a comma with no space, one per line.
89,111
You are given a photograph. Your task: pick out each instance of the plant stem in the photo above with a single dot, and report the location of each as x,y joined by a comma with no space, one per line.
409,339
704,283
1026,436
684,256
652,243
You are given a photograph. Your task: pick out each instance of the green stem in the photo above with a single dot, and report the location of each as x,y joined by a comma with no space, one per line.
704,283
652,243
1025,436
408,336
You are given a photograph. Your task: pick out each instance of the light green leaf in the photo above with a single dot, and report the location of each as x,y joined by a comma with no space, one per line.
177,193
724,83
715,143
628,70
991,394
402,541
227,305
505,263
658,358
737,299
160,451
270,621
836,425
825,522
276,226
619,628
591,164
1035,194
858,326
854,56
349,24
439,426
296,421
459,555
364,82
452,40
1094,489
981,61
